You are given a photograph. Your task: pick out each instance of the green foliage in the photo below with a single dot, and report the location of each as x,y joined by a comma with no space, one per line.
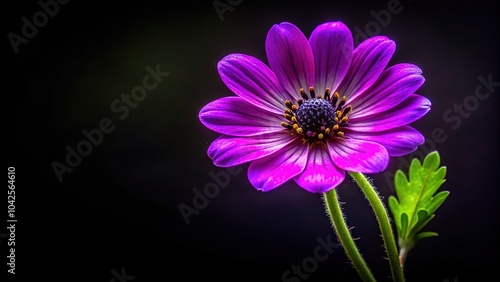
416,200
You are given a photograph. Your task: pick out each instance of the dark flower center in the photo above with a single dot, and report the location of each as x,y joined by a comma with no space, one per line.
317,118
315,115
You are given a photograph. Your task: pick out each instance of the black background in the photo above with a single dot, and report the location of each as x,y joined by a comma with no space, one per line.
119,208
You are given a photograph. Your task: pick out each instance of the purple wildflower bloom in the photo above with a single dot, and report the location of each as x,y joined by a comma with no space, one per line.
321,108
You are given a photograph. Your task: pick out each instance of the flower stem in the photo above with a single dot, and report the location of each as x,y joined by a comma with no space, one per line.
384,224
335,212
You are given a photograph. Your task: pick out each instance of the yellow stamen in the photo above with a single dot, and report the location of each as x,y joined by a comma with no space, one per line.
303,94
327,94
311,92
347,110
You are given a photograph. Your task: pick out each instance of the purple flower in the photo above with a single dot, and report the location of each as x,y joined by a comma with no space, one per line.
321,108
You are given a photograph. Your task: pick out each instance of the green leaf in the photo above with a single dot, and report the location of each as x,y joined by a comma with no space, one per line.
394,208
404,223
423,218
416,201
437,200
426,235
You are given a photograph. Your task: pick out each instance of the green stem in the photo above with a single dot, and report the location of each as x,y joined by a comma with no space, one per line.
345,238
384,224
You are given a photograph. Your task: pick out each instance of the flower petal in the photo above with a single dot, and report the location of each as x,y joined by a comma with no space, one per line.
320,174
253,81
368,61
332,47
290,57
236,117
408,111
394,86
398,141
358,156
273,170
229,151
